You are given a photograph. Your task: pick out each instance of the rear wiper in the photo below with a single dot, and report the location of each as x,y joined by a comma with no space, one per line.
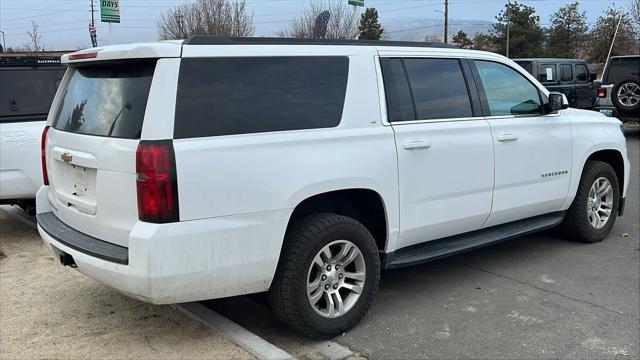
113,124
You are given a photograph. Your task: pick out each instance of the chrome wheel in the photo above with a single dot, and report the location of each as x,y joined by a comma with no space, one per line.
336,278
600,203
629,94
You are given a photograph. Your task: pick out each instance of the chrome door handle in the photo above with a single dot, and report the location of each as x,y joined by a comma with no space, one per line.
507,137
416,145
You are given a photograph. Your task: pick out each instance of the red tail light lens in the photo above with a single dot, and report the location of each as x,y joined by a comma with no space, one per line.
83,55
43,155
157,185
602,92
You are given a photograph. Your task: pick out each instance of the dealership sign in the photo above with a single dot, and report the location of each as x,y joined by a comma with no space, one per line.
110,11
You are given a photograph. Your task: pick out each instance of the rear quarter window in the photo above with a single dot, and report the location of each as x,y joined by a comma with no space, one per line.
621,69
106,100
243,95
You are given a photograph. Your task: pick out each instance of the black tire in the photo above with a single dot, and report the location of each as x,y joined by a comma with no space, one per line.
304,239
576,224
616,101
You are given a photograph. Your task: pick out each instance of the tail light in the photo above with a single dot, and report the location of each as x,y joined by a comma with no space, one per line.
602,92
157,185
43,155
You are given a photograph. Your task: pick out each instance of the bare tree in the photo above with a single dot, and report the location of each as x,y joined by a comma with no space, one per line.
206,17
634,10
602,35
343,21
432,38
35,39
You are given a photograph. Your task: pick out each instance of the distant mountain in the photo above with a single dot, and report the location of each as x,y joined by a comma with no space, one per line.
416,29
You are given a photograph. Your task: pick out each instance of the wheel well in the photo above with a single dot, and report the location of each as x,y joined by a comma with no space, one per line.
363,205
613,158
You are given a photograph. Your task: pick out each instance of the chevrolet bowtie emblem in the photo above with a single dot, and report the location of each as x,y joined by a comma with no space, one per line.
66,157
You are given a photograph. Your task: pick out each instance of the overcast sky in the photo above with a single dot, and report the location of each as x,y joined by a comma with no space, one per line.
63,23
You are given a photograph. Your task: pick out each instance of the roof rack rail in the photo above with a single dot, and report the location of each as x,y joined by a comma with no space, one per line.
222,40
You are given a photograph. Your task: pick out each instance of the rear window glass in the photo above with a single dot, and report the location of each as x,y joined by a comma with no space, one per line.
622,69
106,100
28,91
226,96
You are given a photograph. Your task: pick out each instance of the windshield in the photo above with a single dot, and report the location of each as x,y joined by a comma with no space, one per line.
106,100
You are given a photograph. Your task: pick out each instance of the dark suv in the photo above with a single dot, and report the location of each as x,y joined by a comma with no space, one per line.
619,94
568,76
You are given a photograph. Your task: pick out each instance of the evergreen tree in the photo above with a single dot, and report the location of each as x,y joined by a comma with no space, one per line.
370,28
525,34
568,32
461,40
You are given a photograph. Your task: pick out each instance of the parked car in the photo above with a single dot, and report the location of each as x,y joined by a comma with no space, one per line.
568,76
216,167
27,87
619,94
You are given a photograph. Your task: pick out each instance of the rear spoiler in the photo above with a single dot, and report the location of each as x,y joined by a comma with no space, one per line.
163,49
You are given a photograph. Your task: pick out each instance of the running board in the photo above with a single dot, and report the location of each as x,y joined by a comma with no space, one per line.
436,249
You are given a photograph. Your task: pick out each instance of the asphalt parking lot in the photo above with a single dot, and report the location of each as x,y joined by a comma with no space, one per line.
536,297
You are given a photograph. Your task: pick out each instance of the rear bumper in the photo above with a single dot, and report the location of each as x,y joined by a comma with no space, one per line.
178,262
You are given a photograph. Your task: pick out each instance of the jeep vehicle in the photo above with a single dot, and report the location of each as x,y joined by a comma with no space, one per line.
619,94
183,171
568,76
27,87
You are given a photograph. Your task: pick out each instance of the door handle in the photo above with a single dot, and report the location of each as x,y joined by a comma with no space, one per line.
416,145
507,137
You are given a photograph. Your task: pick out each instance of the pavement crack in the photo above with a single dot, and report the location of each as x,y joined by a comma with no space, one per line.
146,338
545,290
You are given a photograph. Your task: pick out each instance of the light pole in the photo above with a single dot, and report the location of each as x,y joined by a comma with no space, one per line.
446,24
508,25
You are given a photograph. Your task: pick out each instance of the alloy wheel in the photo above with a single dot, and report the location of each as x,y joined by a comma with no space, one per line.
336,278
600,203
629,94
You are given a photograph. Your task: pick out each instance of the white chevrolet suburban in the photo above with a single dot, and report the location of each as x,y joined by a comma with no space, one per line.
183,171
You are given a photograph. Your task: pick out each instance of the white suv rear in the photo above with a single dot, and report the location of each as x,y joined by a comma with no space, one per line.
217,167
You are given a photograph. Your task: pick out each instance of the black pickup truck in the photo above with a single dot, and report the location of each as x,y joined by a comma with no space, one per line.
568,76
27,87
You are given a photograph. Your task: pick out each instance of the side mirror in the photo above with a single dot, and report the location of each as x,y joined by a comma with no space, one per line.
597,84
557,101
592,76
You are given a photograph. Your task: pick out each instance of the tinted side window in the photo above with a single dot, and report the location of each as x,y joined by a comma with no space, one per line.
507,91
396,89
225,96
582,74
28,91
566,73
622,69
547,73
439,89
